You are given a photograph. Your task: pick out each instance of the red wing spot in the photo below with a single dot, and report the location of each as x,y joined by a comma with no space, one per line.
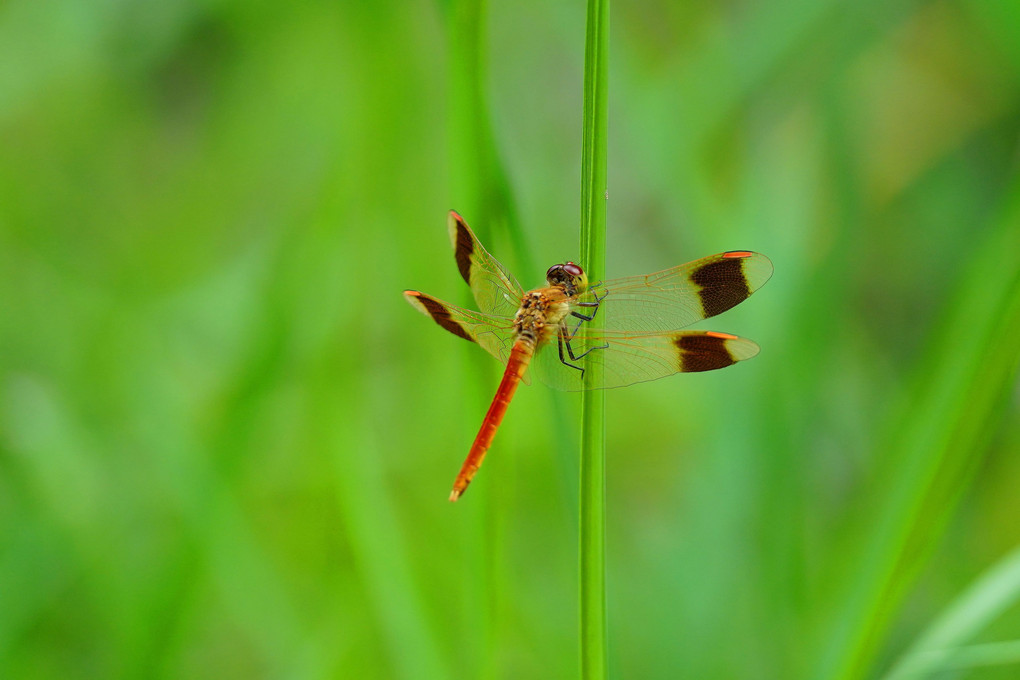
724,336
738,253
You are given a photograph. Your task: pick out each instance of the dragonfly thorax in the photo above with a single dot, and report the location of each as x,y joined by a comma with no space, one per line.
540,309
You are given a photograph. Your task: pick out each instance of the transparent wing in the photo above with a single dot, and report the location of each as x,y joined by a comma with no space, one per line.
677,297
495,289
495,334
629,358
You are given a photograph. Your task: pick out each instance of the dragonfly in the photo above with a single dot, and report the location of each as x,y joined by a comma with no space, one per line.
546,331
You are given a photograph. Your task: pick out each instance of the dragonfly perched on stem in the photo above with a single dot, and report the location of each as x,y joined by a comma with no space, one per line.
641,315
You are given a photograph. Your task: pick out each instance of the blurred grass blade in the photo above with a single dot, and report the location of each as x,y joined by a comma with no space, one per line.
941,645
593,629
989,654
933,447
380,548
480,189
479,184
939,663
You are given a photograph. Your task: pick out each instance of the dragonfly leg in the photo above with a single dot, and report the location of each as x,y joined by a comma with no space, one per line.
563,360
564,340
586,317
575,357
594,305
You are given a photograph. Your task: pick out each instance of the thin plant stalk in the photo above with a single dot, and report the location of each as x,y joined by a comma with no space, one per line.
592,542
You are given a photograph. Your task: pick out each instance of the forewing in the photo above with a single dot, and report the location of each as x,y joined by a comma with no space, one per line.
632,358
679,296
493,333
495,289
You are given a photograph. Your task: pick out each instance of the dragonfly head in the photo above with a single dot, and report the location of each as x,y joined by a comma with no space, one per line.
568,276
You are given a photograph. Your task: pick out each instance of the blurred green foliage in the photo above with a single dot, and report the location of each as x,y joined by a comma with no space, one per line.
226,442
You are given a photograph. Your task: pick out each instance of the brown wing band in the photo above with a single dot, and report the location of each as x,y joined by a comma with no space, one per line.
464,247
703,353
441,316
716,298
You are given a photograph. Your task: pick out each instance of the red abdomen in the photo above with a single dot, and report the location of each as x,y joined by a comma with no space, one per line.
520,356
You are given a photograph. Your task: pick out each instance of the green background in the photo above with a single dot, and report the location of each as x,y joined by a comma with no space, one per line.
226,442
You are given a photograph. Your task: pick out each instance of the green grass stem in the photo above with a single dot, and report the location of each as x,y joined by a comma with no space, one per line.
592,562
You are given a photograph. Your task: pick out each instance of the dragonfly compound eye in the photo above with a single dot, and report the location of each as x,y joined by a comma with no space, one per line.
568,275
572,269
